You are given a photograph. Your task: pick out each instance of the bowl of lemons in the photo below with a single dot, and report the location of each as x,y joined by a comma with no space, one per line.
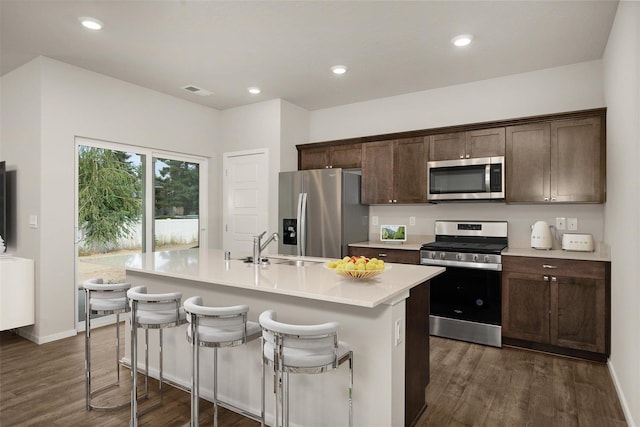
357,267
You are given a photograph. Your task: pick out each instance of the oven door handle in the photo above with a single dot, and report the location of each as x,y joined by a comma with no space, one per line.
462,264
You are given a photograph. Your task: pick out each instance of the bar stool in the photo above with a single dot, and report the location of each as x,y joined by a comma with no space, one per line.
103,299
217,327
150,311
311,349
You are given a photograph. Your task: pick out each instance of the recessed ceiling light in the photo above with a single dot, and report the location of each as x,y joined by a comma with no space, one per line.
339,69
462,40
91,23
254,90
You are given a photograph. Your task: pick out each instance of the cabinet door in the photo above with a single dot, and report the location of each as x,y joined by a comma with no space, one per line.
346,156
449,146
410,171
578,313
377,173
485,143
577,161
527,163
400,256
525,306
314,158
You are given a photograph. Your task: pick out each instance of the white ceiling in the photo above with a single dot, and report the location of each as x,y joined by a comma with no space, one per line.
287,48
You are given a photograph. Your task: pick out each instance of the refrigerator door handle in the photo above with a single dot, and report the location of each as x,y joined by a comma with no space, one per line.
302,224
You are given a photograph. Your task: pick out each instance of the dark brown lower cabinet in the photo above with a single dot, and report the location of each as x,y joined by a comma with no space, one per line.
562,306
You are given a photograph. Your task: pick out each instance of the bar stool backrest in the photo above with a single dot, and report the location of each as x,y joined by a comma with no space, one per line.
156,310
106,298
300,348
218,326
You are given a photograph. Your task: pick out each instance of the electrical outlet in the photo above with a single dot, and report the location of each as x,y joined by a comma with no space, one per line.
572,224
412,220
561,223
374,220
398,331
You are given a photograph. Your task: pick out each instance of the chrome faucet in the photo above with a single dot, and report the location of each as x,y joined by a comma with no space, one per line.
258,247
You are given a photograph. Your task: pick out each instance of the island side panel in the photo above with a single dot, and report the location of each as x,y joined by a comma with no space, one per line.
319,400
417,353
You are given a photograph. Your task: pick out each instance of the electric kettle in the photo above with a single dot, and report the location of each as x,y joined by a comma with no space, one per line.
541,235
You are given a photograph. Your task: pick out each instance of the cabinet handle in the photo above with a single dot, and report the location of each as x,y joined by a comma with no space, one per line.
395,201
382,255
467,156
546,278
461,156
390,201
546,199
549,266
553,199
554,279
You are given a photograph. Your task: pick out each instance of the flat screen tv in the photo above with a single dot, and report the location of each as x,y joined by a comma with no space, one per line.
3,201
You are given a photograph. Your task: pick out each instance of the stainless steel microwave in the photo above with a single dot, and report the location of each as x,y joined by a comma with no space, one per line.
466,179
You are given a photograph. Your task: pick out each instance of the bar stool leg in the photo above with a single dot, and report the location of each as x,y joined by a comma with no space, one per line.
195,379
262,423
215,387
285,400
117,348
161,357
146,362
350,389
134,368
87,349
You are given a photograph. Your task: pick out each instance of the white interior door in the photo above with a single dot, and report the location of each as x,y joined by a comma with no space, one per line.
245,195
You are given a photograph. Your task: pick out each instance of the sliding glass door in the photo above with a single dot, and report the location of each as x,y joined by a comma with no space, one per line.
133,200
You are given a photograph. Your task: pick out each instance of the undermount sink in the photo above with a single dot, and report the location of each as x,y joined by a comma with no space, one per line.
294,262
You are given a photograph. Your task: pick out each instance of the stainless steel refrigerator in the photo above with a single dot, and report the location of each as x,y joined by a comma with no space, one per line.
320,213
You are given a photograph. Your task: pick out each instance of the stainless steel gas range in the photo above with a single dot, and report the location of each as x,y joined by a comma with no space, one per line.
466,298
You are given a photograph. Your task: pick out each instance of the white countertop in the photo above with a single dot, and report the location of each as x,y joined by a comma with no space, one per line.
312,281
602,253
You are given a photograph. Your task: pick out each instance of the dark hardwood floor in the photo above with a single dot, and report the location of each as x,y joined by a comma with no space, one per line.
471,385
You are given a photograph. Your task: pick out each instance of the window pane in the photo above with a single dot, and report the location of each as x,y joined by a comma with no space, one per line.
176,204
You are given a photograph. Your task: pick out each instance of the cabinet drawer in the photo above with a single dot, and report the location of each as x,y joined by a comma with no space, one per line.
401,256
554,266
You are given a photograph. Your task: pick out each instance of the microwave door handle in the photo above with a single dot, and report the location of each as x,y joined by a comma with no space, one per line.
487,178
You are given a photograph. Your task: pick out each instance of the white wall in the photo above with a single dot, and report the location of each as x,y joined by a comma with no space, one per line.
294,130
569,88
76,102
622,212
256,126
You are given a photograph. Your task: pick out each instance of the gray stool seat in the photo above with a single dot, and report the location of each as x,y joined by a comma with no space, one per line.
217,327
103,299
150,311
311,349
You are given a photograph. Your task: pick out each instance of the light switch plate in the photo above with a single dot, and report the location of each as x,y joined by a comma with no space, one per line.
33,221
374,220
412,220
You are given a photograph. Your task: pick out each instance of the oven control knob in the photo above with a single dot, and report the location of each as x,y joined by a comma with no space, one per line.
459,257
433,255
486,258
475,257
442,255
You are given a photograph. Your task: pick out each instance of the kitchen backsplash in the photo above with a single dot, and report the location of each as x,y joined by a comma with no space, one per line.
520,218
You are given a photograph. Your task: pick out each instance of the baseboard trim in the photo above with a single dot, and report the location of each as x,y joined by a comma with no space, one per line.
621,396
49,338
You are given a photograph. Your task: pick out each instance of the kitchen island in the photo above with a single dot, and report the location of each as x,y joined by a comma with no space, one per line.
384,319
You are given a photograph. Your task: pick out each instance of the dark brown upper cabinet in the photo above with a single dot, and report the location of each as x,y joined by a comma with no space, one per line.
467,145
394,171
560,161
335,156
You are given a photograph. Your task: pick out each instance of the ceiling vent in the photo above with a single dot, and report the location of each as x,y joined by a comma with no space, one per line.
197,90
